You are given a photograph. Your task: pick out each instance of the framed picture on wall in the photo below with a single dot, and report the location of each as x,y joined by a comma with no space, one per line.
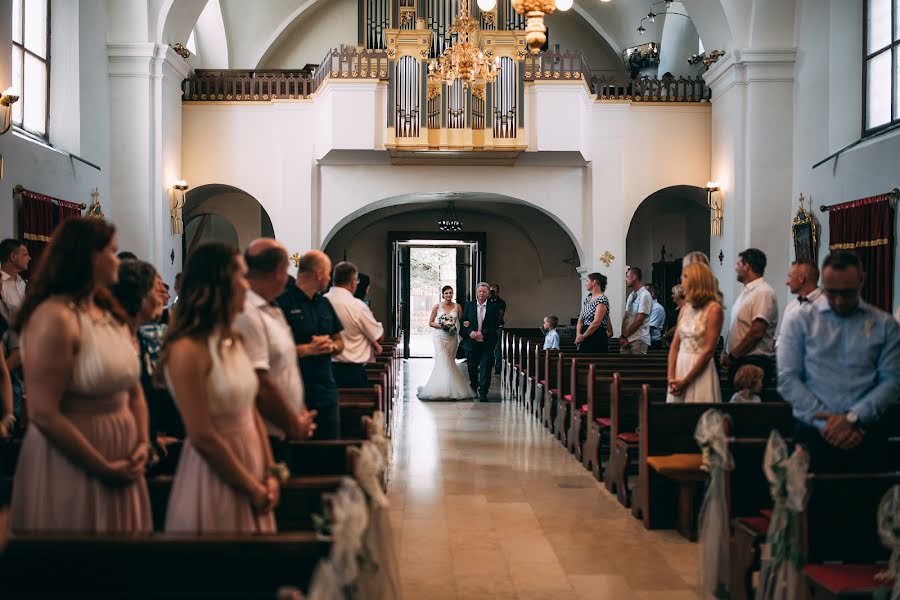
805,233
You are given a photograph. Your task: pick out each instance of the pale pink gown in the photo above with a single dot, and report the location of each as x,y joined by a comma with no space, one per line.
201,501
50,492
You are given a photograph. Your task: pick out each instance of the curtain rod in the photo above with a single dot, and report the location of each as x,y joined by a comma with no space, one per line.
892,195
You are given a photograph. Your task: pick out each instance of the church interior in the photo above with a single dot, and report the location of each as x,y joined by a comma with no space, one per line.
228,233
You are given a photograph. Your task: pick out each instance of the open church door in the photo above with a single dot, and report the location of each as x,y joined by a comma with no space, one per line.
400,292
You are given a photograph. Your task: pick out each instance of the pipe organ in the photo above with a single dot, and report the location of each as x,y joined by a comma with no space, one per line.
426,113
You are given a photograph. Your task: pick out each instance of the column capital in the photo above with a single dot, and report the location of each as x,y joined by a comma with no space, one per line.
750,65
141,59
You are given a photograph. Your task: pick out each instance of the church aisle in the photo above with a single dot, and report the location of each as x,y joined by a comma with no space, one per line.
487,504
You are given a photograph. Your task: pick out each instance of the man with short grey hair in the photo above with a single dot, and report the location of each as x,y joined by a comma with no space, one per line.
480,322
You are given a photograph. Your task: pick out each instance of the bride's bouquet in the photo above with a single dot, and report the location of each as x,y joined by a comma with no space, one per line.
448,323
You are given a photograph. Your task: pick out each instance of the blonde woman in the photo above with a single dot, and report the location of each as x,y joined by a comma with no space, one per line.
692,372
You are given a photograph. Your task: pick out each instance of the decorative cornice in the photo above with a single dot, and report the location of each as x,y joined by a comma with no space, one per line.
742,67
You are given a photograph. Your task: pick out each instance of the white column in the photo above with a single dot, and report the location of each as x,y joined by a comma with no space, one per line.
145,86
752,161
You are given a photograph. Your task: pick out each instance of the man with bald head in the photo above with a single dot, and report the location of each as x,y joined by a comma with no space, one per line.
317,336
802,280
270,344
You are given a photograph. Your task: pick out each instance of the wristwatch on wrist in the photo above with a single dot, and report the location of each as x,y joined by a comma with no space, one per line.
852,417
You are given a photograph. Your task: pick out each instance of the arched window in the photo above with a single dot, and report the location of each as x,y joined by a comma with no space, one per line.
31,64
882,64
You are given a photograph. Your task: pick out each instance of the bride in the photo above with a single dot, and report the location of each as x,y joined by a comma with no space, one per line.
446,381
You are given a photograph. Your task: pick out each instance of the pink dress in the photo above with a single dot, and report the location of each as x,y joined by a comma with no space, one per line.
202,502
50,492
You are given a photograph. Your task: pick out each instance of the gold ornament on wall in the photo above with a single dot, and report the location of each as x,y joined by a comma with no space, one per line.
805,233
295,258
607,257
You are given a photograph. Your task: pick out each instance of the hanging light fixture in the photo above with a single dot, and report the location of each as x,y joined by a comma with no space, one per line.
652,16
534,11
450,221
487,5
641,29
464,60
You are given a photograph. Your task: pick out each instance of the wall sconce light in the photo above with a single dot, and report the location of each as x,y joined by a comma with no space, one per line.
180,187
8,98
715,205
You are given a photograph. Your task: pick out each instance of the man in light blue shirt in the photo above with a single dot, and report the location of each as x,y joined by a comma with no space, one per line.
839,367
657,318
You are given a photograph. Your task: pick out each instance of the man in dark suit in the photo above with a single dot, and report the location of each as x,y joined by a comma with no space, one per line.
480,321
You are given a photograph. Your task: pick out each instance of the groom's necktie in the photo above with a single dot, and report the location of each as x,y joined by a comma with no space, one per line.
480,315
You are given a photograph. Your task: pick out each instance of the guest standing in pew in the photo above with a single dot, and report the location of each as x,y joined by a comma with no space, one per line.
270,345
361,332
225,480
657,318
751,336
672,319
635,336
693,257
748,380
551,335
8,420
317,334
362,289
14,260
81,466
500,304
802,280
692,373
839,367
592,328
139,292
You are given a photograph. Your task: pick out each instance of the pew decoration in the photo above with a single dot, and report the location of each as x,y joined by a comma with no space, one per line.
363,563
781,572
712,437
376,429
889,532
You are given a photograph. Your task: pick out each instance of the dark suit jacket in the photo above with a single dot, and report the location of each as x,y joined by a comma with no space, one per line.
489,326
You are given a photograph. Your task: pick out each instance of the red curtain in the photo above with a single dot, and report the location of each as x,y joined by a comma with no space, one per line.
39,215
867,227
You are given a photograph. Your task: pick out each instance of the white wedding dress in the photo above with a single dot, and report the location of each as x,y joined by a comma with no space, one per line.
446,381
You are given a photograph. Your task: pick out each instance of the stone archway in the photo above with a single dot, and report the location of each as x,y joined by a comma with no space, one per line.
223,213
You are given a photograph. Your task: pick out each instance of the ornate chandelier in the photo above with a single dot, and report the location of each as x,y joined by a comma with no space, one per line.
534,11
464,60
449,221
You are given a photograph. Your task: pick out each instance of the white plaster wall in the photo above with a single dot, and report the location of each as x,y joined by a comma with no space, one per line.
212,41
524,255
679,41
827,90
324,27
570,31
43,168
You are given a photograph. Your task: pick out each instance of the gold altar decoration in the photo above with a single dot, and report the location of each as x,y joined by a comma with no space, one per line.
464,60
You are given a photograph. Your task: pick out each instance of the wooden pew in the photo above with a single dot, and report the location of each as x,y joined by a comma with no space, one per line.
841,539
158,565
670,459
355,404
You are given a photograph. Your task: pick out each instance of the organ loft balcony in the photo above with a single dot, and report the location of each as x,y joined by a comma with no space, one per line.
386,92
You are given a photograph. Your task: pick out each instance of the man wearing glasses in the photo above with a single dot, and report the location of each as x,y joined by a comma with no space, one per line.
839,367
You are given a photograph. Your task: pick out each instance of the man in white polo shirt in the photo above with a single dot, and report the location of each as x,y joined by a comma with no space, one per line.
270,343
361,331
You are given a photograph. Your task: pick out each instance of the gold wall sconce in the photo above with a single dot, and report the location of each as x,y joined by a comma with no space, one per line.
8,98
714,202
180,187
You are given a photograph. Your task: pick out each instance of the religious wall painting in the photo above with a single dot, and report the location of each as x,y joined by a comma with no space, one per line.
805,233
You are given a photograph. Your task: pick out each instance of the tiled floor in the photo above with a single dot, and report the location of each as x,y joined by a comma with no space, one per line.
486,504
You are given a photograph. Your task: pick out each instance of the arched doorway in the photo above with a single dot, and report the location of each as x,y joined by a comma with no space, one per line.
667,225
223,213
520,247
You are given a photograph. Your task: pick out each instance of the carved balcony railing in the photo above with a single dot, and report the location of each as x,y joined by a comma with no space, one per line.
557,65
650,89
280,84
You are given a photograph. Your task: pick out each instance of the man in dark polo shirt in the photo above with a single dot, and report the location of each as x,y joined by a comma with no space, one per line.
316,330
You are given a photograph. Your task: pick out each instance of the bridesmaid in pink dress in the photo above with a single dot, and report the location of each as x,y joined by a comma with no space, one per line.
81,466
224,481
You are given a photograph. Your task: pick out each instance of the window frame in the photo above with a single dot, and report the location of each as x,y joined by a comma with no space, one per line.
893,49
20,85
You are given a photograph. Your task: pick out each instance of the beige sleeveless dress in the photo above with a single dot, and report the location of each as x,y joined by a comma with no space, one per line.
692,331
202,502
50,492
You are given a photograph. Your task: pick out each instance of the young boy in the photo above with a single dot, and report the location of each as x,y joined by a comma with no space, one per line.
551,339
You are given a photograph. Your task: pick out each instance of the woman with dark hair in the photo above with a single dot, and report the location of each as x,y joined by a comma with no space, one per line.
362,288
592,330
82,461
140,292
226,480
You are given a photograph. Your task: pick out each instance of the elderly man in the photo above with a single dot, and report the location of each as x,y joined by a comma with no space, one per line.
481,320
270,344
317,335
361,331
839,367
751,337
